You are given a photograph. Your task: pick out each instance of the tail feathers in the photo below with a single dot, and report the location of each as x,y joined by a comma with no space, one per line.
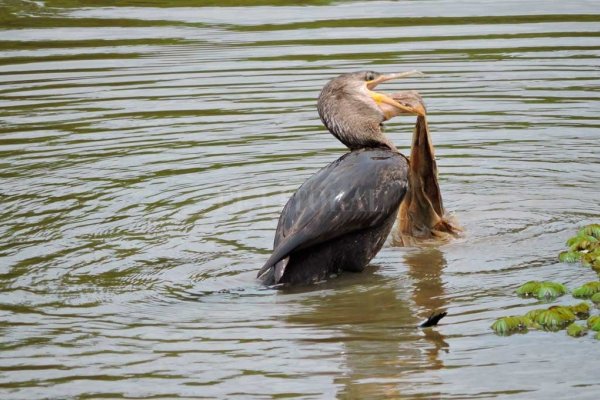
273,274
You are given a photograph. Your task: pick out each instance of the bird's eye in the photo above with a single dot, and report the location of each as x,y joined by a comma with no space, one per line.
369,76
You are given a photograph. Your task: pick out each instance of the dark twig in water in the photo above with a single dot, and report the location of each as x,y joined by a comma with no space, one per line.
433,319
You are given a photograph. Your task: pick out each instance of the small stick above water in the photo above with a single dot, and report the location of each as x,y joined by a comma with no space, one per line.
433,319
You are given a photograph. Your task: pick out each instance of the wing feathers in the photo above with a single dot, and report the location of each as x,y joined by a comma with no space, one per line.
357,191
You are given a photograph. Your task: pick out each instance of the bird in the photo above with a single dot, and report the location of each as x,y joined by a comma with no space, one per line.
340,217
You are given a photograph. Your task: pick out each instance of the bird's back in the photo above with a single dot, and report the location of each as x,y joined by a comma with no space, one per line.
350,200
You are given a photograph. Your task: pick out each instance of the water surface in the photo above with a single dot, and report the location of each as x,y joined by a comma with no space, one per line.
147,148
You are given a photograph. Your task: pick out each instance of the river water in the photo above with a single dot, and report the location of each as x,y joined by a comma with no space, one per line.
147,148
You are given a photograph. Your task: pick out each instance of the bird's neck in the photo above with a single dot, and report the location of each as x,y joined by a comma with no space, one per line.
358,135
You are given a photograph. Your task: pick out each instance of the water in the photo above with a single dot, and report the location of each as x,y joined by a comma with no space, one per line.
147,148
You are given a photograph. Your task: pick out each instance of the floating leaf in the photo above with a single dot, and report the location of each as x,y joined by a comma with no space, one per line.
584,247
533,314
582,242
542,290
597,337
587,290
591,258
570,256
576,330
581,310
555,318
551,290
529,288
590,230
513,324
593,323
596,299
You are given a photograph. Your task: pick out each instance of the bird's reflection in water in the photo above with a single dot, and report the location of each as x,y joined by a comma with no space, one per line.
375,318
425,267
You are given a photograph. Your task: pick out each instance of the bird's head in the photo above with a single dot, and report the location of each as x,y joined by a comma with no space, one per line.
354,113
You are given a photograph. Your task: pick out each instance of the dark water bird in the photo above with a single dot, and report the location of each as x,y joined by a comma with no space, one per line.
341,216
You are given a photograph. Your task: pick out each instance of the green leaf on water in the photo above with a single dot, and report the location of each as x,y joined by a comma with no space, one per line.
533,314
584,247
542,290
582,242
593,322
509,325
590,230
596,299
555,318
576,330
581,310
570,256
587,290
590,258
528,289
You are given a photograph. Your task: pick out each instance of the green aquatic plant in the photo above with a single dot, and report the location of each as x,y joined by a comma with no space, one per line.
529,288
581,310
577,311
582,242
542,289
570,256
587,290
576,330
591,257
590,230
584,247
509,325
533,314
593,323
555,318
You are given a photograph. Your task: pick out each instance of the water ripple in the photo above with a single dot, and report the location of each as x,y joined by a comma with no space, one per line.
146,150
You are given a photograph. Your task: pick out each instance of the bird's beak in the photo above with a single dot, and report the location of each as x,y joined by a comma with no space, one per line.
390,105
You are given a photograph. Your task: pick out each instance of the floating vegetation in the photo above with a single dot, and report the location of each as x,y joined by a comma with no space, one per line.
576,330
584,247
533,314
591,230
591,258
570,256
555,318
513,324
582,242
581,310
551,319
542,290
587,290
593,323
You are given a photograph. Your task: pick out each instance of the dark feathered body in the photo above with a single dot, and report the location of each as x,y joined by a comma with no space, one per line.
339,218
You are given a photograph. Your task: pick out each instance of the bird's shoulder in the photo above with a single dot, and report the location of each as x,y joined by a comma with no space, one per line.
359,189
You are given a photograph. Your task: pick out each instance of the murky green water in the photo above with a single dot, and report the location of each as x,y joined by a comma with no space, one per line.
147,148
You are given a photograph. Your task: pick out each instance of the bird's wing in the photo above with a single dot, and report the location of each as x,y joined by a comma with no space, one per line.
357,191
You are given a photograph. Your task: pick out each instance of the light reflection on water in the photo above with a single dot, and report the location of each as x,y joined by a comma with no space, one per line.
146,153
